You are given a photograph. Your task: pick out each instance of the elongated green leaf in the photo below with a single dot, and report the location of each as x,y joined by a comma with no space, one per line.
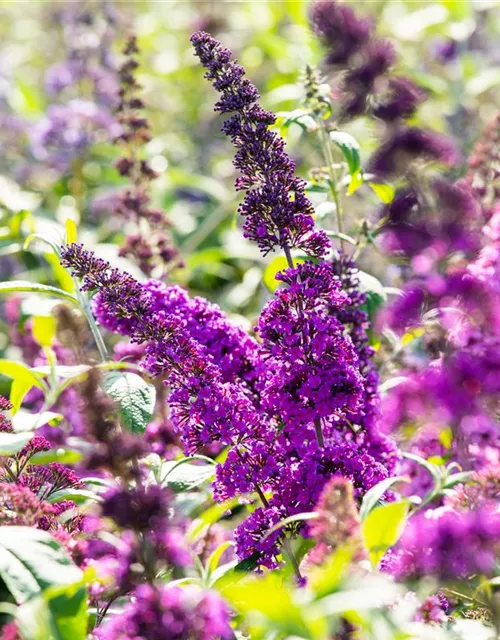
297,517
384,192
382,528
44,330
11,443
31,560
26,421
62,455
372,497
24,286
215,556
182,476
23,379
350,150
134,398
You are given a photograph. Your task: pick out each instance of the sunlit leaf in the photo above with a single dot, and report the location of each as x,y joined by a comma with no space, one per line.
31,560
382,528
44,330
22,286
374,495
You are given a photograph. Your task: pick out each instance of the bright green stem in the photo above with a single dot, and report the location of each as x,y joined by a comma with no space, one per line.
327,148
85,307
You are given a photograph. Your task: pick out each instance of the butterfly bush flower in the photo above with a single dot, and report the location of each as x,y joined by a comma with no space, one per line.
449,545
363,64
281,405
276,210
150,244
170,613
314,367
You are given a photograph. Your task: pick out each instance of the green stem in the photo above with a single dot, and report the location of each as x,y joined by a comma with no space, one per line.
286,543
85,307
327,148
319,432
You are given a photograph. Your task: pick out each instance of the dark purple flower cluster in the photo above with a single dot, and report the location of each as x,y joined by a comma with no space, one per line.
170,613
314,368
150,245
366,85
228,346
274,438
449,545
276,210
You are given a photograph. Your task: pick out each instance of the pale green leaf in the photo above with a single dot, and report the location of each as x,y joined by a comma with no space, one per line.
134,397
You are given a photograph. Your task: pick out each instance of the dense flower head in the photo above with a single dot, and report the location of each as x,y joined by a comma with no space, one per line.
253,538
170,613
399,100
364,63
20,506
276,210
137,508
227,345
304,479
314,367
414,230
449,545
434,609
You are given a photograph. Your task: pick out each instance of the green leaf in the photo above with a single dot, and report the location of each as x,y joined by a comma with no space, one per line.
433,469
382,528
62,455
182,476
58,614
297,517
299,116
44,330
278,264
134,397
350,150
215,556
70,231
23,379
384,192
31,560
24,286
372,497
269,604
457,478
26,421
374,292
11,443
